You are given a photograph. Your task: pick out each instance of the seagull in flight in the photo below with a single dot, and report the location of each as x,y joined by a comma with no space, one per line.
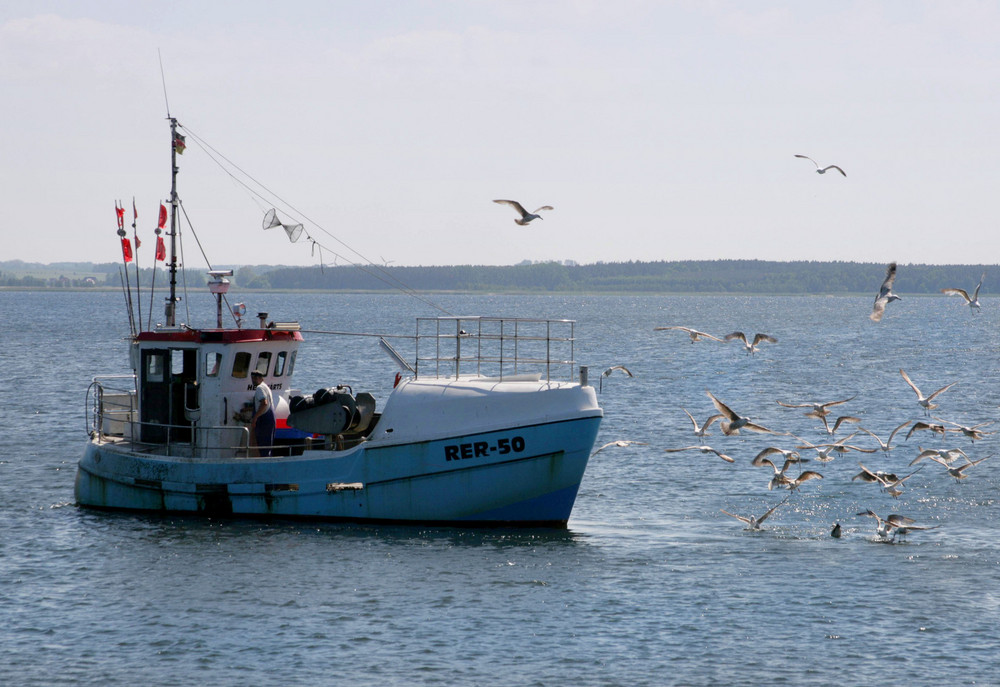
824,451
958,472
817,409
733,422
885,294
836,425
971,431
608,372
917,426
753,522
779,478
822,170
525,216
887,481
925,401
693,333
886,445
621,443
702,431
750,348
973,301
945,457
703,449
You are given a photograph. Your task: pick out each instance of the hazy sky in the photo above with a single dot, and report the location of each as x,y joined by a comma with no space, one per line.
658,130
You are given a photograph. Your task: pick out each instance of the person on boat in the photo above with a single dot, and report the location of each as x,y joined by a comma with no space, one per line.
262,423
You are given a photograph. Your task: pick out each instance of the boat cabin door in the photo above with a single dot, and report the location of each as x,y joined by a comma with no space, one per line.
167,385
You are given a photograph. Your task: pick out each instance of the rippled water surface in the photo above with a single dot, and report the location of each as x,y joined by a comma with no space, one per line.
650,584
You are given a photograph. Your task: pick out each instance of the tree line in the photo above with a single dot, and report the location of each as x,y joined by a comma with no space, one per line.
684,276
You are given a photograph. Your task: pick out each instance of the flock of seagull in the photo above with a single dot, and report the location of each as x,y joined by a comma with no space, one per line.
785,462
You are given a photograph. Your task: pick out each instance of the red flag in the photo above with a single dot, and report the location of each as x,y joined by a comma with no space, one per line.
179,144
163,216
120,211
135,213
126,250
161,250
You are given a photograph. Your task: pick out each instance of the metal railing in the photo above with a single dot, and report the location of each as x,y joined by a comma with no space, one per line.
495,347
110,417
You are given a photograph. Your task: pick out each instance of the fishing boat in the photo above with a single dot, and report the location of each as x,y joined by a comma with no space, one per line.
492,423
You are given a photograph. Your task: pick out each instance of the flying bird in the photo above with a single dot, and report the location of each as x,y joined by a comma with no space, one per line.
703,449
958,472
753,522
608,372
822,170
733,422
824,452
693,333
817,409
779,478
621,443
945,457
702,431
973,301
750,348
971,431
526,216
885,294
917,426
840,420
924,401
887,481
886,445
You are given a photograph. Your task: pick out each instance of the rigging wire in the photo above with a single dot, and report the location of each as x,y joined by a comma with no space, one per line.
371,268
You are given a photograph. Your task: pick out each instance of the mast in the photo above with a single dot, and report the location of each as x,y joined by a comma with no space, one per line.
171,306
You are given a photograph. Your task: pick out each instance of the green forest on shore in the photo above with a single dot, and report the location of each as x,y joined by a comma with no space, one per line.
686,276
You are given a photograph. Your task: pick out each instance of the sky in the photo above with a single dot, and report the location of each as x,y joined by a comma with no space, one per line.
656,130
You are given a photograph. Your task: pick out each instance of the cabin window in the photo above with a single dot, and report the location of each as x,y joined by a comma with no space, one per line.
279,364
291,363
241,364
154,367
213,360
263,363
176,362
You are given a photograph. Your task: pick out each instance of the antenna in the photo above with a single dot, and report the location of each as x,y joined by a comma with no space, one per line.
163,79
271,221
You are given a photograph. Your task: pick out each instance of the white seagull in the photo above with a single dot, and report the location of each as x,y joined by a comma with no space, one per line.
894,525
526,216
753,522
924,401
822,170
693,333
608,372
885,294
886,445
750,348
971,431
973,301
733,422
621,443
703,449
887,481
702,431
817,409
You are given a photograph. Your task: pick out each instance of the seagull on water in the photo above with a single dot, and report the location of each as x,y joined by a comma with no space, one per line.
885,294
693,333
753,522
973,301
894,525
703,449
621,443
817,409
886,445
733,422
526,216
702,431
822,170
924,401
750,348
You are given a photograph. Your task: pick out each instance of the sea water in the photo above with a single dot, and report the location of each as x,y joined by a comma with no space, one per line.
650,584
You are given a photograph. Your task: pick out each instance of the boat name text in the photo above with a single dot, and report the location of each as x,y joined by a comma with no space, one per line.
483,449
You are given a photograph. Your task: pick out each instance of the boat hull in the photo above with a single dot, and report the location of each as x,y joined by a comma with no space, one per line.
526,475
